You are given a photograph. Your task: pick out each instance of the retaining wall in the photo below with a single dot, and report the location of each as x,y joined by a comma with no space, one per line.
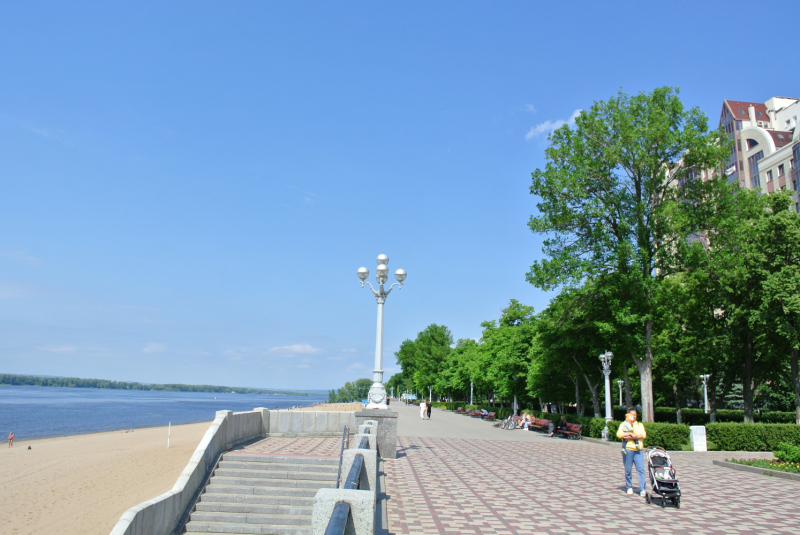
161,515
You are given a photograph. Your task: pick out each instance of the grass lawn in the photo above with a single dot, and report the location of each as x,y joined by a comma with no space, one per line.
773,464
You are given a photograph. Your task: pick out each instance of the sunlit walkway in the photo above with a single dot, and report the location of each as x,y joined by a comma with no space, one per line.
458,475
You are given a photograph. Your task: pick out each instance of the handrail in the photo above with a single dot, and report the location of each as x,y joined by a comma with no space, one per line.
341,511
341,454
338,522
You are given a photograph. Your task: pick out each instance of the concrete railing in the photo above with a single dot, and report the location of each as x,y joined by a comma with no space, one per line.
163,514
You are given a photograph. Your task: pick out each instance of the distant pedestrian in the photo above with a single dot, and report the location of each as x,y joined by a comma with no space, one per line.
11,440
387,403
428,410
422,409
633,451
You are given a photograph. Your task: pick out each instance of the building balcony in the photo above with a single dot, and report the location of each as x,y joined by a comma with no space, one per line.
770,187
782,181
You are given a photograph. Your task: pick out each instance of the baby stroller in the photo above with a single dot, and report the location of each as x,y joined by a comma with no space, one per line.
662,477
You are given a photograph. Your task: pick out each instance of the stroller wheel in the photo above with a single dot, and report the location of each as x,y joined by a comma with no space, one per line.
663,502
647,499
677,503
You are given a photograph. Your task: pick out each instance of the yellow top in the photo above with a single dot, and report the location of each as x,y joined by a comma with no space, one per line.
638,429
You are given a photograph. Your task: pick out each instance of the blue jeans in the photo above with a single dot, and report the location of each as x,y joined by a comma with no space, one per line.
632,457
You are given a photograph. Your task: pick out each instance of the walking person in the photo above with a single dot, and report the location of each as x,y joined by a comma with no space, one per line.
11,440
428,410
633,454
422,408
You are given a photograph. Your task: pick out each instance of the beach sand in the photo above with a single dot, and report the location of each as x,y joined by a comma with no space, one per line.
81,485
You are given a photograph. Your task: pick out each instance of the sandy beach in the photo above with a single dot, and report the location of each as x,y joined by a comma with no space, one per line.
80,485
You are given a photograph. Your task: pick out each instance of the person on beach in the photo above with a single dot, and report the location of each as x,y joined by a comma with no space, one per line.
633,454
11,440
422,409
428,410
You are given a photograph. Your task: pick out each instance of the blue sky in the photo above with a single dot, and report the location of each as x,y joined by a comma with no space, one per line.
188,189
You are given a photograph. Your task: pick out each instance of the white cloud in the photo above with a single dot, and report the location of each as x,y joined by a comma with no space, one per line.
58,349
22,258
298,349
529,108
349,350
303,366
154,347
548,126
356,366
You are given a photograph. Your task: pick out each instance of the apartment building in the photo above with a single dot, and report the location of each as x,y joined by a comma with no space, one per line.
766,144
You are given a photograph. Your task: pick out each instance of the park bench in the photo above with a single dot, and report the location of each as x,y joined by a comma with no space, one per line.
458,410
572,431
490,416
539,424
476,413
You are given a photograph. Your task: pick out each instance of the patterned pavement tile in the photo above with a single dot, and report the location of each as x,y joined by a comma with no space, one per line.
311,446
441,486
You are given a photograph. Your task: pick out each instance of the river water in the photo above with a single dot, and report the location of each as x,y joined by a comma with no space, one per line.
38,412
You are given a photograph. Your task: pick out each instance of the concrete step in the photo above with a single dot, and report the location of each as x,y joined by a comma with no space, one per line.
266,458
270,482
211,497
274,474
253,508
218,488
285,467
251,518
217,528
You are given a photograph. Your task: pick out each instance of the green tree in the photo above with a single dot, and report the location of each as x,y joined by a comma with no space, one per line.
779,233
423,358
506,346
605,198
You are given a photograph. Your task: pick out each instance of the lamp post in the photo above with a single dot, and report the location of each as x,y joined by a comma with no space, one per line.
705,377
392,392
430,394
471,385
377,392
605,358
620,382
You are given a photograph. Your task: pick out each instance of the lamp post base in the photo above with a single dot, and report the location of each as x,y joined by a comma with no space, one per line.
376,399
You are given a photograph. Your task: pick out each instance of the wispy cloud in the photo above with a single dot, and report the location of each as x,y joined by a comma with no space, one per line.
529,108
356,366
154,347
298,349
50,133
548,126
303,366
22,258
58,349
350,350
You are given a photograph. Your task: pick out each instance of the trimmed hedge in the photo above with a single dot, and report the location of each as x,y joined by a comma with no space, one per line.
751,437
788,453
698,417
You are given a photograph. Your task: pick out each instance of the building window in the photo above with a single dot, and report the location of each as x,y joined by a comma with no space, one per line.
738,125
781,170
751,143
741,112
759,113
752,162
739,144
769,176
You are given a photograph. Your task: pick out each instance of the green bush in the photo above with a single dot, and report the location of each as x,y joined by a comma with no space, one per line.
788,453
667,436
751,437
698,417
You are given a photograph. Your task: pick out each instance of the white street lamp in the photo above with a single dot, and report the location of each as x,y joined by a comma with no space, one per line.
377,392
430,394
471,385
620,382
705,377
605,358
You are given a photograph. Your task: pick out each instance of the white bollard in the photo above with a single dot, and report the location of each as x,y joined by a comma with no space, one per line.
697,437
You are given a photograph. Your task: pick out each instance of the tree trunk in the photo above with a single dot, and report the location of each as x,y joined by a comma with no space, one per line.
747,381
578,408
628,395
516,406
595,396
645,366
796,382
678,414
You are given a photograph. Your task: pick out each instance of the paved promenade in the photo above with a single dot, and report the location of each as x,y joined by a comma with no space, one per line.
459,475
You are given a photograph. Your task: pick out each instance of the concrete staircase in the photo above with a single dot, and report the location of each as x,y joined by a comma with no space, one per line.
265,494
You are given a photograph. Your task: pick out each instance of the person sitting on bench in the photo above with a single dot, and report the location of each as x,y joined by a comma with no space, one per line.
562,426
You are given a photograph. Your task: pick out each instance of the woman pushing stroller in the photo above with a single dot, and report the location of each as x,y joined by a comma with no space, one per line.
633,434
